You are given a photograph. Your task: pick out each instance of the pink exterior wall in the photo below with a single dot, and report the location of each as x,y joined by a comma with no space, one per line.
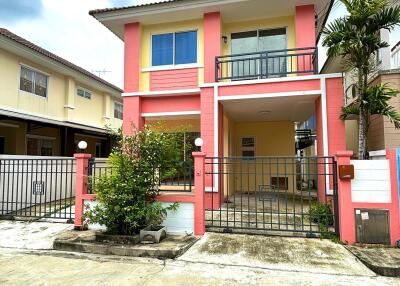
347,207
305,26
132,115
212,44
171,103
336,129
174,79
336,126
132,105
272,87
131,57
305,34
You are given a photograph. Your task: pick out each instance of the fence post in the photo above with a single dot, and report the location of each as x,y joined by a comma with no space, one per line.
81,186
199,226
347,222
394,209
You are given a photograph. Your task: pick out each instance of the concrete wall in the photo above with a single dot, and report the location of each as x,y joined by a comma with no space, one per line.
371,182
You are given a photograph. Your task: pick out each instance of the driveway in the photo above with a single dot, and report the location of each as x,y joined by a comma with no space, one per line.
216,259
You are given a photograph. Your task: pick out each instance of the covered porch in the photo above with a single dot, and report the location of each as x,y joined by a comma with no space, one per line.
268,176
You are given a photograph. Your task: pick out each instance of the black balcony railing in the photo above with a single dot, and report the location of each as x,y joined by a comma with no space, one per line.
266,64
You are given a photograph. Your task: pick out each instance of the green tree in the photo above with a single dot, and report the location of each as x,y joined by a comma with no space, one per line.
356,38
127,193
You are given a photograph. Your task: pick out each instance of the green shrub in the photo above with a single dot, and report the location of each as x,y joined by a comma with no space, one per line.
321,213
127,195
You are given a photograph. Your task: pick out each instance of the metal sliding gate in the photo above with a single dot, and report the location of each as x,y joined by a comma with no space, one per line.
287,195
37,188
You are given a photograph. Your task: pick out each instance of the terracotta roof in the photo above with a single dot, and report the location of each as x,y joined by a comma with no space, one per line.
97,11
6,33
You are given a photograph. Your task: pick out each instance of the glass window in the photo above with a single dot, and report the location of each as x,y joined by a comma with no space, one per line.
248,146
33,81
174,48
39,147
84,93
162,49
186,47
118,110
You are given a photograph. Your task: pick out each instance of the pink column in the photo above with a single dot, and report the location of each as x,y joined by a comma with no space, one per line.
212,44
305,26
394,206
81,186
132,105
347,224
199,226
336,128
132,115
305,35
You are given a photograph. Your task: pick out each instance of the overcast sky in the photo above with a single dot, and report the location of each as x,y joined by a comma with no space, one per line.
65,28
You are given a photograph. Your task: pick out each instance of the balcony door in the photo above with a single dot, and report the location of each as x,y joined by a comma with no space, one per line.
248,45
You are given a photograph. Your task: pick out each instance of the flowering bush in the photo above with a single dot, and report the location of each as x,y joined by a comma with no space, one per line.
127,193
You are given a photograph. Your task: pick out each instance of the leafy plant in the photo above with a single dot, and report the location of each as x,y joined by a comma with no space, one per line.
321,213
356,38
127,194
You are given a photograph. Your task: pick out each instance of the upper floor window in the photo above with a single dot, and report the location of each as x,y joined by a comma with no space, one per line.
33,81
118,110
174,48
83,93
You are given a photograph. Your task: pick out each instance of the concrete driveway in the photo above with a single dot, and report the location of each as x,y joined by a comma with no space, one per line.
279,253
216,259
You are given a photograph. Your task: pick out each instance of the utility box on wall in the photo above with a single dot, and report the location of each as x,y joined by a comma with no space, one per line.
372,226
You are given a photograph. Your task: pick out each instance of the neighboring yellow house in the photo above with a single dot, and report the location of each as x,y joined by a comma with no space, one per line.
48,105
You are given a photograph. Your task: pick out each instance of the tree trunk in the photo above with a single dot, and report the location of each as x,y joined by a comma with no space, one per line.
362,136
362,123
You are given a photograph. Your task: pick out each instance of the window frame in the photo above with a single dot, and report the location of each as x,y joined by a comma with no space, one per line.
34,70
40,139
122,109
258,35
85,90
248,148
174,48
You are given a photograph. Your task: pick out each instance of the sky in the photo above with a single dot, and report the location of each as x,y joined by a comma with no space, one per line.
65,28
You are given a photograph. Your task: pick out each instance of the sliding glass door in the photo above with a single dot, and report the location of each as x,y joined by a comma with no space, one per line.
251,64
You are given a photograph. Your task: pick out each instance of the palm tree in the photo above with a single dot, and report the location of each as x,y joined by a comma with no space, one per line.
356,38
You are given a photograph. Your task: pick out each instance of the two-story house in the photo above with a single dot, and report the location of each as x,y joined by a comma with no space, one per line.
243,73
48,104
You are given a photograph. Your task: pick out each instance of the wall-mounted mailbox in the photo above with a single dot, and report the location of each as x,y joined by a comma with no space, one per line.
346,172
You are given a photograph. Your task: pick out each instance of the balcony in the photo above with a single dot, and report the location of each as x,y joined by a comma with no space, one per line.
267,64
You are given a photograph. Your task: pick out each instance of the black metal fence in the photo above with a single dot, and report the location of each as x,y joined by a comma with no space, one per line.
175,177
37,188
262,194
266,64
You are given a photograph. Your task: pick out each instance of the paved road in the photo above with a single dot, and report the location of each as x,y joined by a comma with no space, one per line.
27,258
42,267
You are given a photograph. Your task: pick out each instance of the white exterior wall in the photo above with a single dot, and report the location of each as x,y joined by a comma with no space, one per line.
181,221
371,182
